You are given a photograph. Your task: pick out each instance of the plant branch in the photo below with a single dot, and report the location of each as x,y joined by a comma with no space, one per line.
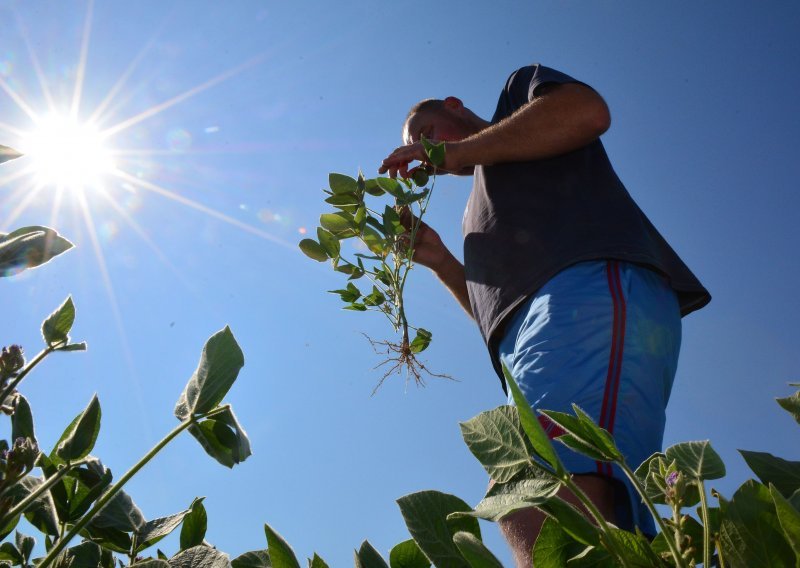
22,374
706,528
20,507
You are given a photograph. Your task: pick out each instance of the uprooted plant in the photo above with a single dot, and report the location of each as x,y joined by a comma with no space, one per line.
384,254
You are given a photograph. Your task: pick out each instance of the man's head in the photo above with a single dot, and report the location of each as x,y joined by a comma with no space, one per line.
441,120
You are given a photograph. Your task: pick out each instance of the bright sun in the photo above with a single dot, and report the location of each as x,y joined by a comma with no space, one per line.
67,153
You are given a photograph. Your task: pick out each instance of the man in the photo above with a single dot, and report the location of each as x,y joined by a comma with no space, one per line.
572,287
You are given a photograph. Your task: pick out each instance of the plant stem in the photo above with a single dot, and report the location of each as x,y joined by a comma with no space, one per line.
20,507
679,561
35,361
114,489
706,528
611,543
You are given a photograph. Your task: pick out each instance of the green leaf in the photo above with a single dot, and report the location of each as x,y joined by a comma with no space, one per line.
252,559
150,563
356,307
86,485
475,552
371,186
110,539
495,438
360,217
121,514
635,549
368,557
313,250
647,472
410,197
435,152
41,513
29,247
25,544
789,519
792,405
345,201
750,533
420,176
374,241
280,553
537,437
329,242
73,347
340,183
390,186
9,552
7,154
572,521
376,298
391,222
783,474
56,327
80,436
426,517
583,435
223,438
408,555
554,546
219,365
84,555
316,562
195,524
200,557
337,223
22,419
698,460
153,531
421,341
691,528
505,498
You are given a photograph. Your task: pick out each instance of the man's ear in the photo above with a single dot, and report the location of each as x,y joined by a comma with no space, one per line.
453,103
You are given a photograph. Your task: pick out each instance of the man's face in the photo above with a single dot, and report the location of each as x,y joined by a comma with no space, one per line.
437,125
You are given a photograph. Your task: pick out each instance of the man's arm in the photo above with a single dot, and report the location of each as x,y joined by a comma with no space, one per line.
560,119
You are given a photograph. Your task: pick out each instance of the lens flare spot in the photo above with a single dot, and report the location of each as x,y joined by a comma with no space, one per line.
212,129
107,231
265,216
179,140
302,230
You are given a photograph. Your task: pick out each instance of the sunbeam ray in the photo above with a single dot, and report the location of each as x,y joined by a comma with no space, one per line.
87,32
202,208
182,97
23,31
17,99
13,130
22,205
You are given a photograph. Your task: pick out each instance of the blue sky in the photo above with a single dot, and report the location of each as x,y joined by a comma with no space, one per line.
703,102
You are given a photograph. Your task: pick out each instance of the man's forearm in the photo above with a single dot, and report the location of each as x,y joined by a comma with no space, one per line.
451,274
565,118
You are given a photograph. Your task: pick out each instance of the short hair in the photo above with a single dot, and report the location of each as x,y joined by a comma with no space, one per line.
423,106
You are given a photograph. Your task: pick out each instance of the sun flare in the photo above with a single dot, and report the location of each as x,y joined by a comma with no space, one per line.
64,152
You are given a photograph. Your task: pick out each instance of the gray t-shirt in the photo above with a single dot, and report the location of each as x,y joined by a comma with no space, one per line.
527,221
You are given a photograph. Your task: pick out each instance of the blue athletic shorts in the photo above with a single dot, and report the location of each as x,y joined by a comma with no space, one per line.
604,335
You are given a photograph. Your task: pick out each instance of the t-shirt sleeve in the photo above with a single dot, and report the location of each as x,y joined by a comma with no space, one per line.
543,75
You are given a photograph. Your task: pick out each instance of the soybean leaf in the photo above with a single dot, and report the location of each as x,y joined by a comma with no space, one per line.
421,341
200,557
554,546
789,519
58,491
153,531
7,153
194,526
84,555
9,552
572,521
360,217
280,553
698,460
374,241
391,222
368,557
121,514
635,549
29,247
750,533
783,474
10,525
494,437
371,186
475,552
426,517
41,513
313,250
390,186
340,183
792,405
504,498
56,327
648,472
420,176
356,307
435,152
328,242
110,539
150,563
74,347
252,559
533,428
80,436
25,544
22,419
689,527
584,436
316,562
223,438
80,488
337,223
411,197
408,555
219,365
345,201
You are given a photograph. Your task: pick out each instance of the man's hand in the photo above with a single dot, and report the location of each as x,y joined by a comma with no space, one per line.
429,250
398,161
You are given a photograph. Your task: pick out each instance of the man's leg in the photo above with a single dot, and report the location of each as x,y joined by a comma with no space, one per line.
521,528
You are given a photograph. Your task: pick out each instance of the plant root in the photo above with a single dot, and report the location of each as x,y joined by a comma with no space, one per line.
401,358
